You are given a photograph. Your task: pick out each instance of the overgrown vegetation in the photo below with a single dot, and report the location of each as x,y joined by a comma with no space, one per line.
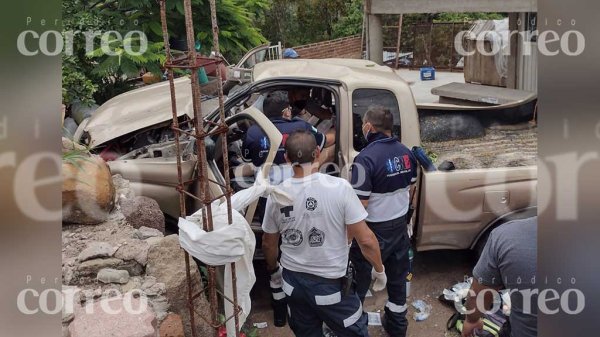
95,76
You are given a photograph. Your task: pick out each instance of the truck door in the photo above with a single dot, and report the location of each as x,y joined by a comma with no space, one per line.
238,124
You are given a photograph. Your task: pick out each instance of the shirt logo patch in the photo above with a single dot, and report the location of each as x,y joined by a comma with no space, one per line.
316,237
286,211
311,204
292,237
264,143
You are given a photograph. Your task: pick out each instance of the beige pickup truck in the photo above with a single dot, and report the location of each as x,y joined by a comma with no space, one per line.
494,179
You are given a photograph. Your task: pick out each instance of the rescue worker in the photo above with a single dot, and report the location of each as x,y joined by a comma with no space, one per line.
382,175
314,235
255,146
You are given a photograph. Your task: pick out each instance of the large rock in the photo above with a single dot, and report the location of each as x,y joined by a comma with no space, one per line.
144,233
121,322
133,249
113,276
88,193
96,250
92,267
143,212
166,262
123,189
172,326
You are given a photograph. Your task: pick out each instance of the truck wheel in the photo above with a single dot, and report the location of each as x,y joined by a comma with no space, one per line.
439,127
517,215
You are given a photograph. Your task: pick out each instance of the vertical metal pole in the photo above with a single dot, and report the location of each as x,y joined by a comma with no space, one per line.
175,127
215,31
399,36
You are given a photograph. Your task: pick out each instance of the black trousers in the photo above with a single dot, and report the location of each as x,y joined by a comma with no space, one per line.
313,300
394,244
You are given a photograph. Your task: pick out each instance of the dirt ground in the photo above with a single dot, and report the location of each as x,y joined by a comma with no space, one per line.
433,271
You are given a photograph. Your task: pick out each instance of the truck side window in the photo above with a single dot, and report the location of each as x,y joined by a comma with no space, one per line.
361,100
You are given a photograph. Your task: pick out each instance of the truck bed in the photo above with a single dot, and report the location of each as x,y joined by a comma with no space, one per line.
502,146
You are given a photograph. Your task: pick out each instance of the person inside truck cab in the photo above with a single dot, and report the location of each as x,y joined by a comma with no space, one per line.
314,106
255,146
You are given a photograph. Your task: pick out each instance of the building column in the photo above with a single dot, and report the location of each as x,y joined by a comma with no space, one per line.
375,38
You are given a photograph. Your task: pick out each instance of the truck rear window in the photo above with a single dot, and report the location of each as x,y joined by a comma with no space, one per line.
362,99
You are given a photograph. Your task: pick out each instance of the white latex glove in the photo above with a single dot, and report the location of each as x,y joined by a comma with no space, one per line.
380,279
276,278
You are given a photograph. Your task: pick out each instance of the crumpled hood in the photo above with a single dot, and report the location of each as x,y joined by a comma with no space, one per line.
141,108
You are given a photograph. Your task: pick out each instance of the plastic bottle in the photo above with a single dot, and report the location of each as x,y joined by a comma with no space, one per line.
409,276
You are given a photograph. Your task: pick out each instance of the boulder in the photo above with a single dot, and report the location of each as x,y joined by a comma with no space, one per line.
143,212
166,263
136,250
92,267
172,326
120,320
108,275
96,250
123,189
88,193
144,233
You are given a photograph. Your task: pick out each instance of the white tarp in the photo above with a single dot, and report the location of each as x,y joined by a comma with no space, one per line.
229,243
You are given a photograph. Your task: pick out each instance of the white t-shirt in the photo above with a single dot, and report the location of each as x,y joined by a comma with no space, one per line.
313,230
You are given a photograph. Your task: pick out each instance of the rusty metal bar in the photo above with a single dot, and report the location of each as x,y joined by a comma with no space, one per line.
193,62
215,29
175,127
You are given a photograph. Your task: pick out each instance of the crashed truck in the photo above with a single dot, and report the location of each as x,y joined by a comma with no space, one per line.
456,205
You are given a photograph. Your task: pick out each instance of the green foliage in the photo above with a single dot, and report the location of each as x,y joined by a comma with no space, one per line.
100,76
299,22
352,22
76,86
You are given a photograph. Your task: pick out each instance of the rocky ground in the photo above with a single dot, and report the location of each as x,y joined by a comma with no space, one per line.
127,261
433,271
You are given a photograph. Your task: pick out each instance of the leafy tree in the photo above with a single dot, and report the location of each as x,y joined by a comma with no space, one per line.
98,76
351,23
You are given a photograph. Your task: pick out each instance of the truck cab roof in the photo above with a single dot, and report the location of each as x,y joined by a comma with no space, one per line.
351,72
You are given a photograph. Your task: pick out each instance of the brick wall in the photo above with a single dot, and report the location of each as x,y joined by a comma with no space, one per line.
346,47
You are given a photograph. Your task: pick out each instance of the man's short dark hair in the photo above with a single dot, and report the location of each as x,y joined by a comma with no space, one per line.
275,103
380,117
301,147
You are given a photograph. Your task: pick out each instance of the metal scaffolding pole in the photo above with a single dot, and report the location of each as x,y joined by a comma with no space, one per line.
194,62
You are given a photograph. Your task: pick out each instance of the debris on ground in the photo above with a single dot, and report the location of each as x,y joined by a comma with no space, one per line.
374,318
261,325
423,310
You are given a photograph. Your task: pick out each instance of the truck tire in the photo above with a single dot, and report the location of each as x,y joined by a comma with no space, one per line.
517,215
440,127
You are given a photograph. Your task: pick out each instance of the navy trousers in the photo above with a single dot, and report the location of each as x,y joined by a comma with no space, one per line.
394,244
314,300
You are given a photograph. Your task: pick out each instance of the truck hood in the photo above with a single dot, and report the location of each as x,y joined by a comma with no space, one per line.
141,108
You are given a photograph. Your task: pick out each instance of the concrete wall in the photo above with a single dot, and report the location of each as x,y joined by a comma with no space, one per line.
347,47
460,6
